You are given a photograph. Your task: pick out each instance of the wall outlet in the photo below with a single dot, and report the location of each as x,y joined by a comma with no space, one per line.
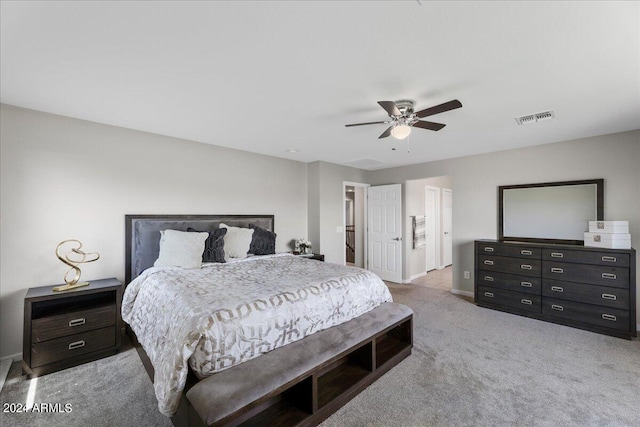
467,275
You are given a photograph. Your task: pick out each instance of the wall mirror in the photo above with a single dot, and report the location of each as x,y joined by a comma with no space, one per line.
551,212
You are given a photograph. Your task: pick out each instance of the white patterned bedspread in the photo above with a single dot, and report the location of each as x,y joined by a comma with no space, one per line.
225,314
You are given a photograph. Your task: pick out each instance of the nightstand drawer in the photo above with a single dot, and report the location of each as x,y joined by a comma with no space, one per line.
61,325
73,345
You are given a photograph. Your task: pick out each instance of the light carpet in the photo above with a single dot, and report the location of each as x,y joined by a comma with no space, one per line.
470,367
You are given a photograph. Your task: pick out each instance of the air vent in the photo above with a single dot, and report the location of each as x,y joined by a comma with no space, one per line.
538,117
364,163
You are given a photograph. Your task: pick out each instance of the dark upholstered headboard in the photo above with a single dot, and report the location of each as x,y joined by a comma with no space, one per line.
142,234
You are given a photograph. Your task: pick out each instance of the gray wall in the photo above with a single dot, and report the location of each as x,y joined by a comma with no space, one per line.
476,178
64,178
326,207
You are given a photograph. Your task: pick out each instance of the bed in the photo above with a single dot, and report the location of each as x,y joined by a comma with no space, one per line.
259,337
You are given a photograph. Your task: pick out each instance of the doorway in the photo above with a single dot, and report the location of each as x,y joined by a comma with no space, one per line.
355,223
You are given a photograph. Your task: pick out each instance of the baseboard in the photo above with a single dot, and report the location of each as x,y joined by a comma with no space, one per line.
5,365
463,293
13,357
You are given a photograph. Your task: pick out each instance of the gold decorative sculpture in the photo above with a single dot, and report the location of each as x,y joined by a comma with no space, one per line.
72,258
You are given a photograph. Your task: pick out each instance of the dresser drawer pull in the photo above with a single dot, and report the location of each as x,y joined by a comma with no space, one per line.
557,270
557,255
488,278
526,267
526,284
609,258
609,297
609,276
609,317
488,262
488,294
557,307
76,344
526,301
77,322
557,289
526,252
488,249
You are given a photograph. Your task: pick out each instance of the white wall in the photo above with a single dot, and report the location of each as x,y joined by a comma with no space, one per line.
475,178
64,178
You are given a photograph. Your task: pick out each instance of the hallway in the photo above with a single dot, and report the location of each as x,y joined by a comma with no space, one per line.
436,279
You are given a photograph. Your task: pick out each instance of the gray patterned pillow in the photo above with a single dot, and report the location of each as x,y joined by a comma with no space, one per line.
263,241
213,246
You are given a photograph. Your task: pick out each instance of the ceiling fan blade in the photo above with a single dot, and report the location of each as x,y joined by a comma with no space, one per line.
386,133
428,125
390,107
451,105
362,124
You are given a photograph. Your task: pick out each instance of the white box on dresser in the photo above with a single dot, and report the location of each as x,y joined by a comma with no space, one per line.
609,227
608,240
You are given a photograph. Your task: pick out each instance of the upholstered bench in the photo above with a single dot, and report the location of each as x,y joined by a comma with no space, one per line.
304,382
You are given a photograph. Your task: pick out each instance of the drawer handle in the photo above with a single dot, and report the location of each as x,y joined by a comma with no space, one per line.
488,262
609,297
557,270
526,301
526,284
77,322
609,276
526,267
609,258
557,307
77,344
609,317
526,252
557,289
488,249
488,294
488,278
557,255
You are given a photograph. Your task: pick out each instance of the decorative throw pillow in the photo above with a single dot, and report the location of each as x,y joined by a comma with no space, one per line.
237,241
181,249
263,241
213,246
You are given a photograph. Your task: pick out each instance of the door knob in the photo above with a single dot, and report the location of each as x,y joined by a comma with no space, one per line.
397,239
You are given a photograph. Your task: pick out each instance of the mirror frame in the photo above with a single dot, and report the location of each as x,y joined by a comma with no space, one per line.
599,209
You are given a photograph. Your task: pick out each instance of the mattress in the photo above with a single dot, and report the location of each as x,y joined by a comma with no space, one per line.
221,315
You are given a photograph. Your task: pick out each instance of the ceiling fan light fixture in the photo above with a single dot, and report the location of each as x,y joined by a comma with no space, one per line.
401,131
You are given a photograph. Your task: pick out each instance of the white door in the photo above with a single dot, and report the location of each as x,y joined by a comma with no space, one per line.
447,223
431,226
384,205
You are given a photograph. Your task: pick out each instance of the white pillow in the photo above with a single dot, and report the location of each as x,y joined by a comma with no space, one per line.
181,249
237,241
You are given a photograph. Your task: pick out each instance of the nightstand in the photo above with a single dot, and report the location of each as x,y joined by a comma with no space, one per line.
317,257
65,329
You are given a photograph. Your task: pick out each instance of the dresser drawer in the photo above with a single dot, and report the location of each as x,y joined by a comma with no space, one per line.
61,325
617,277
509,299
586,313
508,250
72,345
612,259
510,282
590,294
523,267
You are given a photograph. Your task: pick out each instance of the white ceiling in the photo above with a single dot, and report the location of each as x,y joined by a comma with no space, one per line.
271,76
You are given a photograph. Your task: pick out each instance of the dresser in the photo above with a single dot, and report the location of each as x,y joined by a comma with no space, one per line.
64,329
583,287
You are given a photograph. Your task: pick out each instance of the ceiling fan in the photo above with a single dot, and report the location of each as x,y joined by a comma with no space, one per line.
404,118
